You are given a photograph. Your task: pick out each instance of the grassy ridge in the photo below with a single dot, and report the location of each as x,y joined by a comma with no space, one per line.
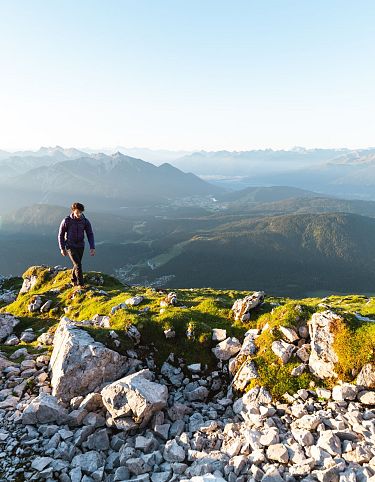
199,310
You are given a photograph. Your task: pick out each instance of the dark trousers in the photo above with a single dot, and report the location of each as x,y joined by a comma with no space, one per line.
75,255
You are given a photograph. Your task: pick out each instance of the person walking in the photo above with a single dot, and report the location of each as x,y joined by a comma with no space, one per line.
71,239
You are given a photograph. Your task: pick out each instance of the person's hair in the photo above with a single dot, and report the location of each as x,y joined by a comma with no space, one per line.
78,206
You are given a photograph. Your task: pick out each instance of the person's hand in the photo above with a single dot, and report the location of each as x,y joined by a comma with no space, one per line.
92,252
63,252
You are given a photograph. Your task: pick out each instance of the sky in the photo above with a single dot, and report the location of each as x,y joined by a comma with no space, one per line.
187,74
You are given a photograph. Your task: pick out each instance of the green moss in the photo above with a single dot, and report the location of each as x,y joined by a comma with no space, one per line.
354,348
277,378
272,374
291,315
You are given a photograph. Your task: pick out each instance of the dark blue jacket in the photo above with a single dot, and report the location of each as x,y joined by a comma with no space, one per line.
72,233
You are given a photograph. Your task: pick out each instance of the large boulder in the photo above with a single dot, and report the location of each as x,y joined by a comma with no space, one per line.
135,396
79,365
7,323
323,358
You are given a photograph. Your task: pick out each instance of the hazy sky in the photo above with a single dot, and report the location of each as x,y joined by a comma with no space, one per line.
187,74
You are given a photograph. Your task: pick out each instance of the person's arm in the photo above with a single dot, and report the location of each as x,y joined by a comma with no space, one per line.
61,237
90,237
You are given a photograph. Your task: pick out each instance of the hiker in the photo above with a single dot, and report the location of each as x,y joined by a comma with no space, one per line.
72,240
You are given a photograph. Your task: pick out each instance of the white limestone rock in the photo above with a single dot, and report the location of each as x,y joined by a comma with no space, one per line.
133,333
88,462
120,306
40,463
248,346
135,396
283,350
79,364
12,340
92,402
206,478
303,353
195,368
103,321
367,397
307,422
297,371
8,296
18,353
324,393
219,334
303,437
227,348
171,299
199,394
173,452
256,396
323,357
242,307
35,304
289,333
245,374
27,336
169,333
46,306
7,323
134,301
366,377
45,339
44,409
278,452
329,442
28,283
345,391
270,437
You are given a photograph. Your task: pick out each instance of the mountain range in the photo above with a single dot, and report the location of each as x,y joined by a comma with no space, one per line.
105,182
243,163
351,175
339,172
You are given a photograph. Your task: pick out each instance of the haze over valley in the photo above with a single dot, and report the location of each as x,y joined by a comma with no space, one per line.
255,221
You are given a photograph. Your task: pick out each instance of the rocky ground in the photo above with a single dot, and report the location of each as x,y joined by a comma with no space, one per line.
189,435
73,409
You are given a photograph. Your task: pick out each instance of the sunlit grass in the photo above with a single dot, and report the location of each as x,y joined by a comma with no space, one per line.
199,311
